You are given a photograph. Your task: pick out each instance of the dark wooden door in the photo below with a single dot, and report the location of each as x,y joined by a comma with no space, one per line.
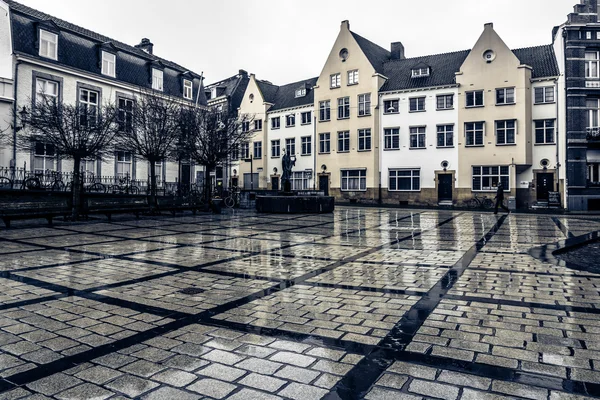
324,184
186,173
544,184
445,187
274,183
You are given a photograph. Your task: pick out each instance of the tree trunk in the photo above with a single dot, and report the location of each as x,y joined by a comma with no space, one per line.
152,199
207,185
77,186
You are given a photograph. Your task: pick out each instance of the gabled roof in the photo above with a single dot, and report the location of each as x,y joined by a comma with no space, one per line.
234,88
376,54
286,95
541,58
42,17
268,90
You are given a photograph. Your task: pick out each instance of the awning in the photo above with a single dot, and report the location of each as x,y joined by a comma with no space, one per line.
593,156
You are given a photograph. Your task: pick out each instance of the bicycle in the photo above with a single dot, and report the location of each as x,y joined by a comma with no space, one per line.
124,186
232,199
55,184
480,202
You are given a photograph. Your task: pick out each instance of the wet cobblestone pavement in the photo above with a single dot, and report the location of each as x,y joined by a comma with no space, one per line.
364,303
586,257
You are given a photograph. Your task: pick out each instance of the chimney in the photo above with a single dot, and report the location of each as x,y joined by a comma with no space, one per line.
488,25
243,72
397,51
345,24
146,45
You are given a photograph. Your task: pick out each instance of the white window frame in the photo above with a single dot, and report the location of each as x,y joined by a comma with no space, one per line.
418,72
306,145
445,130
592,64
503,130
188,89
391,138
419,103
258,124
353,77
414,178
275,122
300,93
447,105
472,95
124,160
364,104
42,161
593,119
325,143
257,150
474,131
245,151
157,79
290,120
547,126
544,93
306,117
109,64
158,169
488,179
275,148
343,111
343,139
335,81
245,126
41,90
421,135
506,93
290,146
325,110
387,104
48,44
299,180
593,173
88,107
361,179
365,139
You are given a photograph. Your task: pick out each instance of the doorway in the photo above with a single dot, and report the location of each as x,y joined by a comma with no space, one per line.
274,183
444,187
544,185
324,184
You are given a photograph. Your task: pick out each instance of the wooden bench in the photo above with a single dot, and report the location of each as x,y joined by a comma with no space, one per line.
28,205
175,204
109,204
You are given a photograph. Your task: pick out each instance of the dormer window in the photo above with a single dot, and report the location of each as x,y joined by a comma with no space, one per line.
187,89
301,92
418,72
157,79
109,61
48,44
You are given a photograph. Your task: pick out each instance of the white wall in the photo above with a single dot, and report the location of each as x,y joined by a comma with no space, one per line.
429,159
5,43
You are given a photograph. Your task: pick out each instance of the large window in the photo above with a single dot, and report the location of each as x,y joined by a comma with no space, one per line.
188,91
324,110
474,98
324,143
593,106
306,145
336,80
391,138
417,137
157,79
48,44
44,157
290,120
46,90
290,146
416,104
364,104
245,151
445,102
487,178
124,162
505,96
125,116
158,170
258,124
506,131
306,117
299,180
404,180
343,142
418,72
592,64
445,135
275,122
544,95
257,150
354,180
364,139
593,175
109,62
353,77
88,107
544,131
474,132
275,148
344,108
391,106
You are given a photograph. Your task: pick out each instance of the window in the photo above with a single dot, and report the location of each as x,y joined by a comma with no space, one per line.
354,180
275,122
364,139
306,145
391,138
324,110
336,81
506,131
391,106
364,104
417,137
157,79
258,124
306,117
353,77
445,102
158,170
445,135
588,35
48,44
344,108
188,91
474,132
593,107
544,95
44,156
505,96
245,151
544,131
275,148
487,178
109,61
474,99
124,162
88,107
246,126
593,175
290,146
324,143
299,180
235,152
417,104
46,90
300,93
290,120
125,116
404,180
592,61
343,142
257,150
251,181
88,166
417,72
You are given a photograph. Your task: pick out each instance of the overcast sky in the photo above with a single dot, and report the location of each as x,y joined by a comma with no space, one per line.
288,40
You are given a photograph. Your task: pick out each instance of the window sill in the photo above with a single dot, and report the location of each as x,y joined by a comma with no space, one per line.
391,113
352,84
343,151
306,123
505,104
275,157
365,115
305,155
363,151
417,148
444,109
392,149
274,129
404,191
339,119
545,144
474,145
334,87
478,106
541,104
416,111
325,120
505,144
290,126
444,147
350,191
325,152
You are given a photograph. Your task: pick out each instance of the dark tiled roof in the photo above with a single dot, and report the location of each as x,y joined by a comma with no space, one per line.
443,70
376,54
286,95
233,88
541,58
268,90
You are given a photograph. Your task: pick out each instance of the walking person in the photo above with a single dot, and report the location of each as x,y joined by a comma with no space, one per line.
500,199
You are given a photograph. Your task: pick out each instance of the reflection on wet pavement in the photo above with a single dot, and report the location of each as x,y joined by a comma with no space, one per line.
363,303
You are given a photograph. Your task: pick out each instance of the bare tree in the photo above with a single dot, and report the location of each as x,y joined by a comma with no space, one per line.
212,137
77,132
149,129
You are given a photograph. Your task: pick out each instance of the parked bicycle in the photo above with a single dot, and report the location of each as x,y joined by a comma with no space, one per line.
5,183
124,185
480,202
233,198
39,182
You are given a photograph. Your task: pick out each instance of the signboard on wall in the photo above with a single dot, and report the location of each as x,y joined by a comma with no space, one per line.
554,199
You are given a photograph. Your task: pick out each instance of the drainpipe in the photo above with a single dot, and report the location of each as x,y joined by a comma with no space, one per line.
315,152
557,139
13,163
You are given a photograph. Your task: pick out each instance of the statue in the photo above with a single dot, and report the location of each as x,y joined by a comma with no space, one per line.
287,164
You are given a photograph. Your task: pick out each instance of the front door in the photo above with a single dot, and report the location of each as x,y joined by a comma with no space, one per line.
186,173
544,184
324,184
445,187
274,183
